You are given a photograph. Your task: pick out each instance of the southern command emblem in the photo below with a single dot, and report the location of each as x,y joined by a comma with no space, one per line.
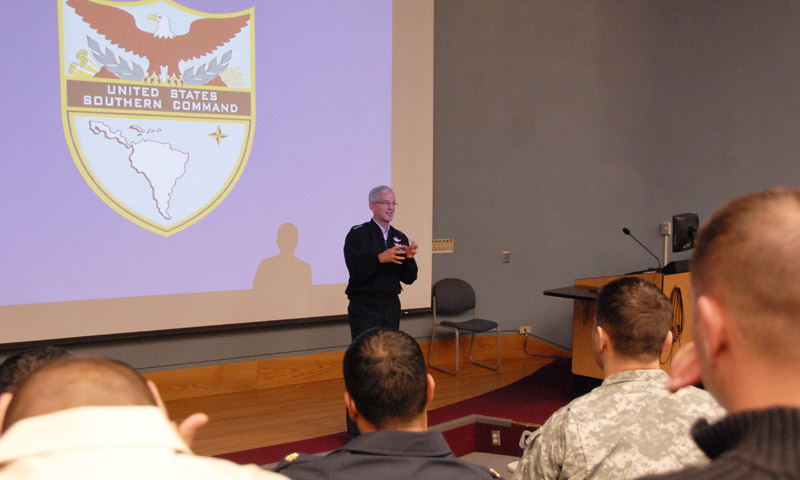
158,105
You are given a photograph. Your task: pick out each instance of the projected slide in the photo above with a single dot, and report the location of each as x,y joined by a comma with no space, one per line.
186,163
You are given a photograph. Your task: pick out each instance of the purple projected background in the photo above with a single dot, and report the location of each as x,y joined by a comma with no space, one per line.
322,140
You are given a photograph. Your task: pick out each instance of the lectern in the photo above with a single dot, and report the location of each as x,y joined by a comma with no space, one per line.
584,295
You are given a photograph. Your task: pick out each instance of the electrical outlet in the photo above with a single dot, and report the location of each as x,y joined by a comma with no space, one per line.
666,229
524,329
506,256
495,437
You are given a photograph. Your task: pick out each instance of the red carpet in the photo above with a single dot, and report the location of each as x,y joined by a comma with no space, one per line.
529,400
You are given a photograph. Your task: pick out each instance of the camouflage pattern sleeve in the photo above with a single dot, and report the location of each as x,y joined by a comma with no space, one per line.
544,456
627,427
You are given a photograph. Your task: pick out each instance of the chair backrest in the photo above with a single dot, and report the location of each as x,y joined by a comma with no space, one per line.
453,296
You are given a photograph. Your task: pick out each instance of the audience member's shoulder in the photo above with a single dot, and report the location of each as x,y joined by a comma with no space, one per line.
701,401
485,472
300,465
209,467
693,472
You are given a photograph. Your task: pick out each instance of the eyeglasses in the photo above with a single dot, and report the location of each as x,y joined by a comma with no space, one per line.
387,203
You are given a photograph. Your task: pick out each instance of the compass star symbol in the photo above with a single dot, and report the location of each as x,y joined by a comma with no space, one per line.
218,135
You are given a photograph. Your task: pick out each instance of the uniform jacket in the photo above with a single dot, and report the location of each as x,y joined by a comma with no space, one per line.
753,445
386,455
371,281
627,427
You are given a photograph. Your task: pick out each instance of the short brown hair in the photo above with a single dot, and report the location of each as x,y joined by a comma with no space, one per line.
748,258
636,315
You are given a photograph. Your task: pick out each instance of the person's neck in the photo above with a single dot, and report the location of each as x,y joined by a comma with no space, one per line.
419,424
613,364
758,385
384,226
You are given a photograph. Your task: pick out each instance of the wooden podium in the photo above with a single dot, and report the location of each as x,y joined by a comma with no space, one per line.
584,294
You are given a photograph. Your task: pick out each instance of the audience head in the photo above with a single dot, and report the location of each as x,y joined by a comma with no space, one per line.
19,366
746,258
636,317
746,301
71,382
385,376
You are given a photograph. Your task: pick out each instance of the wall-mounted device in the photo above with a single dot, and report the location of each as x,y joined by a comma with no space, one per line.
684,231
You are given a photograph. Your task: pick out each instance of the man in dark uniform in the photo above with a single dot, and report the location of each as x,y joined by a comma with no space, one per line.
378,257
387,393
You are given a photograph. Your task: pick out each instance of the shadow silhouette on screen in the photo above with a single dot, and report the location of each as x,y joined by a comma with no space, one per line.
283,282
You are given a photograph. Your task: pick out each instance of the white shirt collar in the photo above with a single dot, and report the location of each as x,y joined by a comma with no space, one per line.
385,232
83,427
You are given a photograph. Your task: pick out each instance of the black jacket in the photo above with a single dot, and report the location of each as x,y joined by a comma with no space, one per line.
386,455
372,282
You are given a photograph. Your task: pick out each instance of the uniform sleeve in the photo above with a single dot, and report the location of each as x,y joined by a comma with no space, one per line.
408,270
361,263
543,458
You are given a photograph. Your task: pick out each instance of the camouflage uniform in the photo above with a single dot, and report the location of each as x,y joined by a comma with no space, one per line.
627,427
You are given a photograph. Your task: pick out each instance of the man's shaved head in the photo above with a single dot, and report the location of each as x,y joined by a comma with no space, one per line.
77,382
747,257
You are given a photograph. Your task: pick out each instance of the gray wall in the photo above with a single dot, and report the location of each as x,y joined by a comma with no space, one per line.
559,122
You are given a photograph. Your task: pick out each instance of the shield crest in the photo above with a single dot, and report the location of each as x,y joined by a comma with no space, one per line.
158,105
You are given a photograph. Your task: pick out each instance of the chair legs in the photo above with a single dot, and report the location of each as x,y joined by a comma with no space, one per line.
471,347
430,350
472,344
525,347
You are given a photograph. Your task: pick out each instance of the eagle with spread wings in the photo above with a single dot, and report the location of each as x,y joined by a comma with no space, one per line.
162,48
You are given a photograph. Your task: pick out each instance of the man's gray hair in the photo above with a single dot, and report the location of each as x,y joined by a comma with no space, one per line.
373,194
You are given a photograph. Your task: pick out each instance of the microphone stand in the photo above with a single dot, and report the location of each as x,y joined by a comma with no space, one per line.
660,269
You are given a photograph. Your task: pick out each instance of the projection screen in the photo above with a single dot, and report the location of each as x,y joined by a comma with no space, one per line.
196,163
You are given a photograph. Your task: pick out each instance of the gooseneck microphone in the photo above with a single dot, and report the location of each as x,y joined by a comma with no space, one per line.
627,232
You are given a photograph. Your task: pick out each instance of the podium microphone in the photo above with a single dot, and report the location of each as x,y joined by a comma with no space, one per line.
626,231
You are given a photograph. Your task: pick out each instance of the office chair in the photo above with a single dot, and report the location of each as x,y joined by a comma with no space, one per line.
451,297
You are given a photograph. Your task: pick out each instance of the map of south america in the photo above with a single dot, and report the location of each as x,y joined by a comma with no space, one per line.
160,163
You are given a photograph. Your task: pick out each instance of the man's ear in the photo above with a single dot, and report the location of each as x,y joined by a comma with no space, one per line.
351,406
157,396
667,341
431,388
600,339
599,344
5,400
713,325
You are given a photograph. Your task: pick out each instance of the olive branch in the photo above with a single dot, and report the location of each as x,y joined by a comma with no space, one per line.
133,71
207,72
116,65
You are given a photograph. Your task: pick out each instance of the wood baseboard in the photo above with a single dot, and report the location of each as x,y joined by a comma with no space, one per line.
299,369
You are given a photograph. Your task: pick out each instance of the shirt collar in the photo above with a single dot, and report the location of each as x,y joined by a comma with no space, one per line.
646,374
401,443
384,232
87,427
